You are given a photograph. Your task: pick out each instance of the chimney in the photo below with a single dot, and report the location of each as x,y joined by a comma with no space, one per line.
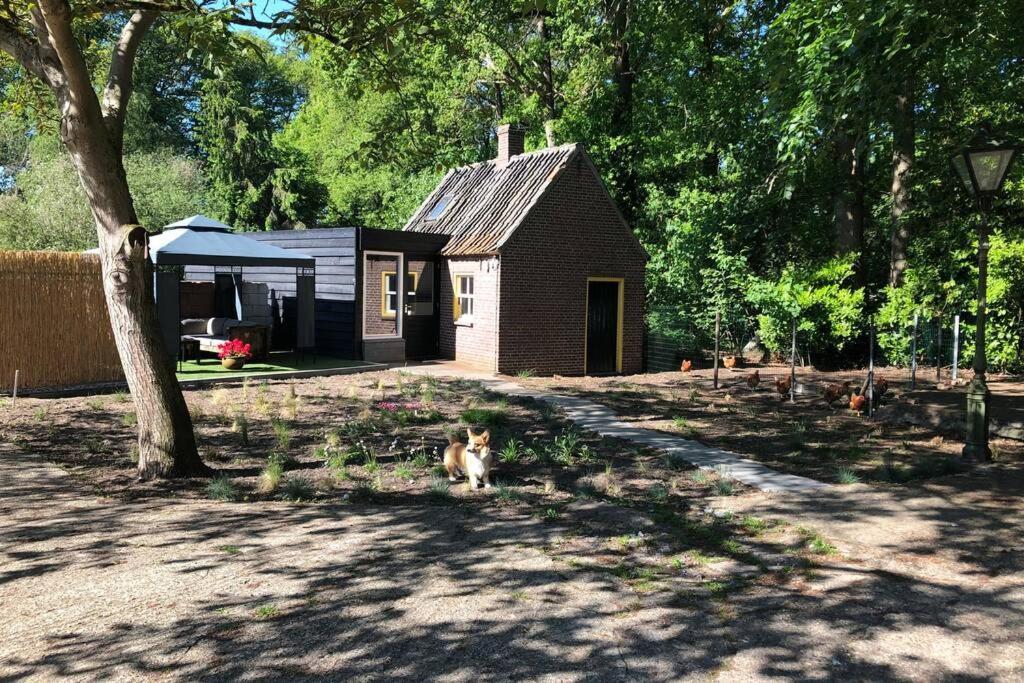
511,141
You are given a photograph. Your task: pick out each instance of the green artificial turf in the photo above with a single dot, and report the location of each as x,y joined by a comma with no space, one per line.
278,362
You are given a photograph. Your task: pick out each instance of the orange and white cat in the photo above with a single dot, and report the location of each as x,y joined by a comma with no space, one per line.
473,458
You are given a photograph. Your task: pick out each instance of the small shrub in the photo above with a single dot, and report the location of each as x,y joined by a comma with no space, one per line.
270,477
421,459
440,488
485,417
266,612
297,489
685,428
676,461
404,471
817,544
129,419
525,373
510,452
505,493
222,489
754,525
282,435
724,484
846,475
701,477
565,446
240,426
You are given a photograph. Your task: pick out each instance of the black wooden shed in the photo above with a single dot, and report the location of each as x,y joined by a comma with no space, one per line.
376,294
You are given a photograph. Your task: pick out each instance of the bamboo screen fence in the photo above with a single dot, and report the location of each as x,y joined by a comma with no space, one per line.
54,327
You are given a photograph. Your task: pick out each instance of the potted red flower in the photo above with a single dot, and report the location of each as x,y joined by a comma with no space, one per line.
233,354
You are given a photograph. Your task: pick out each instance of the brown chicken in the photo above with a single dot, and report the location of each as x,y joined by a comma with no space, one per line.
834,392
729,362
783,385
687,365
753,379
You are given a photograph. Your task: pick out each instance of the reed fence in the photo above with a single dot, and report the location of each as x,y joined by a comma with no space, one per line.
54,327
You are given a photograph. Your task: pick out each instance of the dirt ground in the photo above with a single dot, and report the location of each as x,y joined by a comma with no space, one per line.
592,561
805,437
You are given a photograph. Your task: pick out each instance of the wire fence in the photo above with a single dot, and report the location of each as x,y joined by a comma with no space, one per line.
943,343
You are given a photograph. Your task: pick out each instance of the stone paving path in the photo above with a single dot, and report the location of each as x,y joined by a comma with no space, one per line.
606,422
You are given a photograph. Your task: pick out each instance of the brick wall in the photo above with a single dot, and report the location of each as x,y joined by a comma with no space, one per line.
373,321
573,233
474,343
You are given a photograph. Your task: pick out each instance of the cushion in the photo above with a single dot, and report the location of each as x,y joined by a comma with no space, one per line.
193,326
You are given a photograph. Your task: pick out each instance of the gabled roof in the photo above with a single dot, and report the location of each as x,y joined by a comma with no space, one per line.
487,201
199,222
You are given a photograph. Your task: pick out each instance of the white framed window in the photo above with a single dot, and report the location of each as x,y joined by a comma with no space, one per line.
388,294
412,283
464,297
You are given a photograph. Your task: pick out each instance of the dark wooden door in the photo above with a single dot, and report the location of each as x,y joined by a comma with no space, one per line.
420,324
602,327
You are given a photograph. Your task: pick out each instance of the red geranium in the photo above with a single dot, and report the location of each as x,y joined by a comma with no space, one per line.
234,348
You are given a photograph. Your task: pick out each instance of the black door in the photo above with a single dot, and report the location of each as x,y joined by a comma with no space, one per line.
602,327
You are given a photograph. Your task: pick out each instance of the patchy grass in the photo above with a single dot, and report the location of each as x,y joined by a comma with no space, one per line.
222,489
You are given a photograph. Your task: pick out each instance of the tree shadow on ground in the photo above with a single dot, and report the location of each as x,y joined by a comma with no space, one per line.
423,590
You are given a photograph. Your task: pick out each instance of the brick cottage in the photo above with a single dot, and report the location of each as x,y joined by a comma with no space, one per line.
518,263
541,272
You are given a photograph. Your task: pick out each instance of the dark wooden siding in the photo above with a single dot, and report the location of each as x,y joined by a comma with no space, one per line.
335,253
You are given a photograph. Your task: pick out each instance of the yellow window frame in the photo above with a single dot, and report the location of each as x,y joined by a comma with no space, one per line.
384,312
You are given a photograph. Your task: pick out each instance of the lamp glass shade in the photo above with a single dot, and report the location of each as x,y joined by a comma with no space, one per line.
960,165
990,168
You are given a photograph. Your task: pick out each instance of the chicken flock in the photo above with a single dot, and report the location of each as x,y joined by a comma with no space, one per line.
856,397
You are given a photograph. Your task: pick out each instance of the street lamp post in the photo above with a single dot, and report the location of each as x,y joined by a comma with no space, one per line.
982,166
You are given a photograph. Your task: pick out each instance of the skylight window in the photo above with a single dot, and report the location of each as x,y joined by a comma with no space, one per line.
439,208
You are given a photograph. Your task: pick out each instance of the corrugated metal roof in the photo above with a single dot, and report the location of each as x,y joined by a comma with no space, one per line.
488,201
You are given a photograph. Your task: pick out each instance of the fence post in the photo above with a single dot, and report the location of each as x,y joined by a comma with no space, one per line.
718,327
956,345
938,351
792,366
871,369
913,356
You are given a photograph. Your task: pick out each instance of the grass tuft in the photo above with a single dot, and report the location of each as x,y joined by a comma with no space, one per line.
297,489
222,489
846,475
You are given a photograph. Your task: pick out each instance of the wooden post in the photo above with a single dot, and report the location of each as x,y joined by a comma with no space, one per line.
913,356
718,330
956,345
938,352
14,394
871,369
792,367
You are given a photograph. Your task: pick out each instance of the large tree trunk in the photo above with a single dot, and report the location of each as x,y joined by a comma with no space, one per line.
848,207
167,444
902,163
623,77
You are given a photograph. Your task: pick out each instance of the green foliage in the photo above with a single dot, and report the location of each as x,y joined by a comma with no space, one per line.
828,310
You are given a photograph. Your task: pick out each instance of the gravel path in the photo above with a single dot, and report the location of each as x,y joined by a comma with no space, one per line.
93,588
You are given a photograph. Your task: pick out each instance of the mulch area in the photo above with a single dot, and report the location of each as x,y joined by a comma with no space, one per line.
804,437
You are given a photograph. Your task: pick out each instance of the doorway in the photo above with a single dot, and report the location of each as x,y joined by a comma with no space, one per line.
603,346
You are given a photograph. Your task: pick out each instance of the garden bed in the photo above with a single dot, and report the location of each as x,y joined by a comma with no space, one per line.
804,437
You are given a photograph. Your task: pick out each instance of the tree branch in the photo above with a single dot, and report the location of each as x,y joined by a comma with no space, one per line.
118,89
54,25
23,51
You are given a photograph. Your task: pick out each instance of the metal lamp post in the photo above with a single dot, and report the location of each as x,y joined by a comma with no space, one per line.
982,165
